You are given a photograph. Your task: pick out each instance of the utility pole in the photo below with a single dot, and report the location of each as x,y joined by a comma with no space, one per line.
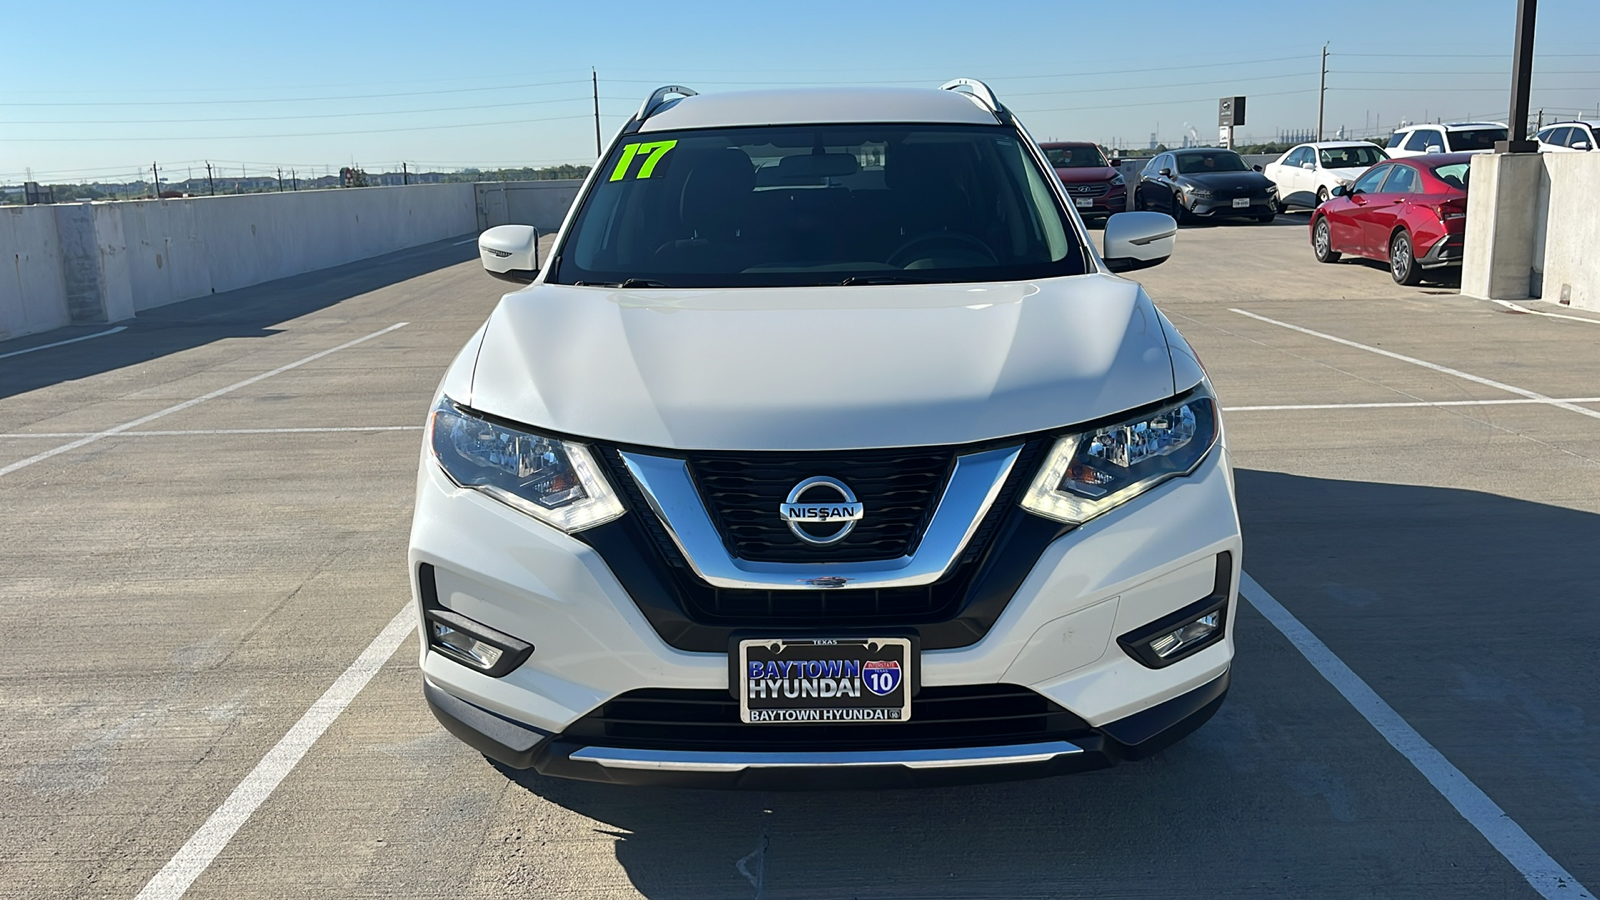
280,179
405,176
1521,81
155,183
595,76
1322,90
294,180
211,186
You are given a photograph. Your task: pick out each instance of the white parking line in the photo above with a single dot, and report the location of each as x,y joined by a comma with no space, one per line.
1405,405
203,846
65,342
1446,370
186,432
1542,872
126,426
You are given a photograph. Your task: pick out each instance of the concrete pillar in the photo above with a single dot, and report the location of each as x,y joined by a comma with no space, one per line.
94,270
1503,220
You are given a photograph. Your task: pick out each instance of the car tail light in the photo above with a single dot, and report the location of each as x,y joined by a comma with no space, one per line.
1455,208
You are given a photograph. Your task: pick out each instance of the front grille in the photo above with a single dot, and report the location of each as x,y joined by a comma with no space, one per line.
898,489
738,608
1087,190
951,716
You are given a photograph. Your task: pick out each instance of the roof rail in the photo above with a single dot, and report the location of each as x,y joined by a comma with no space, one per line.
658,99
979,91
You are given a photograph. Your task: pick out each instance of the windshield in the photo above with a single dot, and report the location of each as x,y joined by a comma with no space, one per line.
1476,139
819,204
1088,157
1216,161
1352,157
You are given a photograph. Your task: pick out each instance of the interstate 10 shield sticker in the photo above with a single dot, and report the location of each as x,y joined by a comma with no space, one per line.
825,682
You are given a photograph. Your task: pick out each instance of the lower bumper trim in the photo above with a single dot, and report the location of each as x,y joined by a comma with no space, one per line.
712,761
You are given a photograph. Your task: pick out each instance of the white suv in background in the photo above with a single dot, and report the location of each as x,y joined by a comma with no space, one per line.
825,450
1568,137
1449,137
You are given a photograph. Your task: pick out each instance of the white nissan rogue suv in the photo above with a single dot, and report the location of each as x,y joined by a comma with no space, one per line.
824,450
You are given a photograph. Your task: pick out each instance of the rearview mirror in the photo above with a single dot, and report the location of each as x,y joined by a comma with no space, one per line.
510,252
1166,172
1138,240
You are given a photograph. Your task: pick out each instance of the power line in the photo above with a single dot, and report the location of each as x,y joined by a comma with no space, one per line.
338,115
1158,102
234,101
1151,87
231,137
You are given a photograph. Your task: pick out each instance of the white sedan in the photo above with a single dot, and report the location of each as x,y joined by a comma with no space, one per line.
1307,174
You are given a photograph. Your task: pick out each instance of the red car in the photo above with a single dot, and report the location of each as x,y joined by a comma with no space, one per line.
1091,180
1410,213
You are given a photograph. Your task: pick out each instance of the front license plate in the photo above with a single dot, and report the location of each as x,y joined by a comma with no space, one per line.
1241,203
788,682
1083,202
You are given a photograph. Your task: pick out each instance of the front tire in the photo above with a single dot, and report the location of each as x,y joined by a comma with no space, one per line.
1403,261
1322,195
1322,242
1179,213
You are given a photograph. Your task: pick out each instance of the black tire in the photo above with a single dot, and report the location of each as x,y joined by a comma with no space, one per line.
1322,195
1322,242
1179,214
1281,207
1265,218
1403,265
1138,200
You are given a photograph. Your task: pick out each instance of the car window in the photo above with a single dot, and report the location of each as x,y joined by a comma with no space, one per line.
1088,157
1295,157
1396,139
1554,136
1368,183
1421,138
819,204
1453,174
1402,180
1211,161
1352,157
1475,139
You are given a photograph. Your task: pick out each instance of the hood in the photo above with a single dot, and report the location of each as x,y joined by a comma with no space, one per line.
1347,175
821,368
1228,180
1086,175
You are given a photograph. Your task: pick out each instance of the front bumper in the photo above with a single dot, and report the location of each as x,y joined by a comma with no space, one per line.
1054,637
1218,208
1113,201
520,746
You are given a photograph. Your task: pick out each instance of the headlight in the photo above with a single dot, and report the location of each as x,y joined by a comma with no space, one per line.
1201,193
1092,471
555,481
1118,179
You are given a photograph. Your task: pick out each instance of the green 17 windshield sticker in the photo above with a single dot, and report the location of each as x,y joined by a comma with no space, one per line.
655,149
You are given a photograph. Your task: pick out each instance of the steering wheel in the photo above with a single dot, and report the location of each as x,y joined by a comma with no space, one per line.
903,255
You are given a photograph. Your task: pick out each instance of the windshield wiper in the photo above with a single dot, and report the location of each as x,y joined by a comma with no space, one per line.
630,283
879,279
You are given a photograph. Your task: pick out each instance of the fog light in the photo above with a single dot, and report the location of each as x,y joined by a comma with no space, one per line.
463,647
1187,631
1170,644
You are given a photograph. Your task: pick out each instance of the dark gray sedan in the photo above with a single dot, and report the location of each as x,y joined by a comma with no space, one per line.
1205,183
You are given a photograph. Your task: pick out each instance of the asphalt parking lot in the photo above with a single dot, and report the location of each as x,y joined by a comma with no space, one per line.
205,530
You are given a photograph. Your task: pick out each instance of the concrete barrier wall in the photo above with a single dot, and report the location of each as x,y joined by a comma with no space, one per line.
1568,254
180,249
32,295
542,204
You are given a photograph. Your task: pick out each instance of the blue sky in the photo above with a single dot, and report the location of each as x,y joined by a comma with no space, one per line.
101,93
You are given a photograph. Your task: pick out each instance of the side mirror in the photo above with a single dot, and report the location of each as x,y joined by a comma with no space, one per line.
510,252
1116,163
1138,240
1339,190
1435,148
1257,168
1308,165
1166,173
1580,145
